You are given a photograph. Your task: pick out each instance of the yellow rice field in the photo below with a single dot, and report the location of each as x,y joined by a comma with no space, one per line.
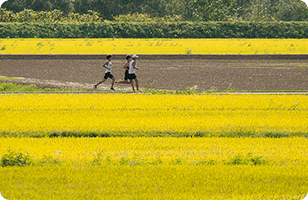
154,182
153,167
149,115
157,168
165,151
153,46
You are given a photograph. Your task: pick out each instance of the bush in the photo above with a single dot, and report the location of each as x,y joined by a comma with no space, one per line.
246,160
155,30
15,159
30,16
136,17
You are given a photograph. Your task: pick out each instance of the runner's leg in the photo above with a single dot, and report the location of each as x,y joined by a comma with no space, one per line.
113,79
137,85
132,84
125,81
101,82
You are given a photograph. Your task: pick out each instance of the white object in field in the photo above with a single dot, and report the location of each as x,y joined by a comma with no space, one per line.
1,197
306,198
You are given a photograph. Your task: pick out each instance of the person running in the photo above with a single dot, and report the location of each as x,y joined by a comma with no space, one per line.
108,66
126,67
131,72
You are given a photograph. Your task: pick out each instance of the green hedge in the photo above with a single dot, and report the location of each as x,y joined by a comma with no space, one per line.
156,30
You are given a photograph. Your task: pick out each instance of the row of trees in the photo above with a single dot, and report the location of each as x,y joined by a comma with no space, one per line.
189,10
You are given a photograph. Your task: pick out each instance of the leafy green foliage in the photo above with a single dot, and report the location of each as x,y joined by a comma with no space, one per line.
249,159
15,159
155,30
188,10
11,158
136,17
214,10
39,5
30,16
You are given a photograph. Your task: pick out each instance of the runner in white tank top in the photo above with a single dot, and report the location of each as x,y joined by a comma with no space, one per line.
108,66
131,72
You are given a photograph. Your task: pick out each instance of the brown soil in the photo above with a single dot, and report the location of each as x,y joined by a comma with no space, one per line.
163,72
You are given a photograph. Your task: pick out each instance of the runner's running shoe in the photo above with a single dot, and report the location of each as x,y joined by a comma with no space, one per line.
119,81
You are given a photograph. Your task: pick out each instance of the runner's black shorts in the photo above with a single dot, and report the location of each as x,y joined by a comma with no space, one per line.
126,75
131,76
108,75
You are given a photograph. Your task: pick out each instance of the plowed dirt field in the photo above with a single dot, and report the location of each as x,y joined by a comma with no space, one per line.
164,72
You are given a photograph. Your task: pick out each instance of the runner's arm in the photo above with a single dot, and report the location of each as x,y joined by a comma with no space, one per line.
134,65
105,65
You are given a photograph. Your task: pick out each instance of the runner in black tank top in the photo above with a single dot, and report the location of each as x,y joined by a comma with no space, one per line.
126,67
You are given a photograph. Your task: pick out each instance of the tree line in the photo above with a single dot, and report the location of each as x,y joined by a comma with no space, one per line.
188,10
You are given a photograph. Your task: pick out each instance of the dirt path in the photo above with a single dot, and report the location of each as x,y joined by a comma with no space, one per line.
220,73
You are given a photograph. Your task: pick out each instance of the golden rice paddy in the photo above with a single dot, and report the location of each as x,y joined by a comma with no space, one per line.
156,168
150,115
199,162
153,46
